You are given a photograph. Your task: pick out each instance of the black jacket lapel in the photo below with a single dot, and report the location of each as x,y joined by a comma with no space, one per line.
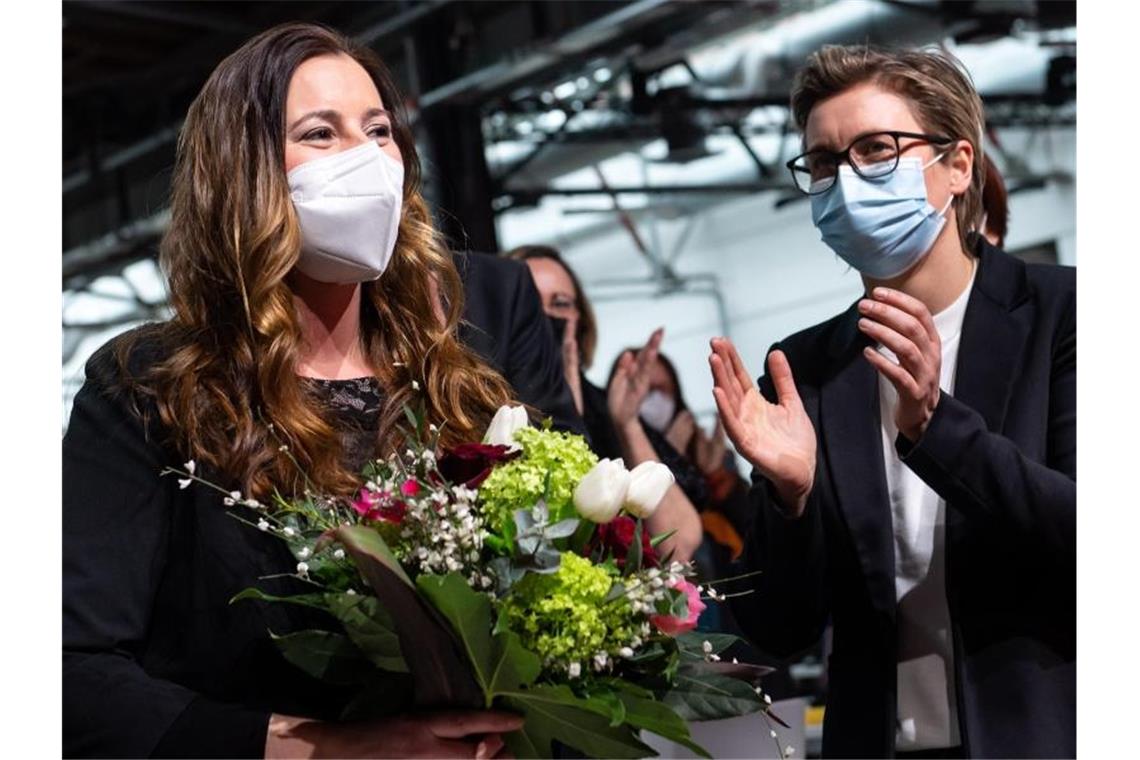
852,439
994,333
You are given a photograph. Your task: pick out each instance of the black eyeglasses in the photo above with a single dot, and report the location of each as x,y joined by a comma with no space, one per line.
872,156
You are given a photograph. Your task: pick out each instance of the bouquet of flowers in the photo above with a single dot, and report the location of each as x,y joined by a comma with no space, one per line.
515,573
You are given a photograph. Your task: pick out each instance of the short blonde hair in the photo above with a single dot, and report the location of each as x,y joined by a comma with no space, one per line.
934,83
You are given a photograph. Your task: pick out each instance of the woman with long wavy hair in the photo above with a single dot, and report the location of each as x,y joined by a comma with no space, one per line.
312,299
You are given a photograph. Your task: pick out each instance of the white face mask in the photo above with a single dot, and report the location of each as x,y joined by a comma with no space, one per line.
657,409
349,208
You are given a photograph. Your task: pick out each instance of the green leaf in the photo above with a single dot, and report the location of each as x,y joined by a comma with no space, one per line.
708,696
366,544
316,601
659,718
633,557
414,418
554,712
327,656
561,529
441,673
662,538
371,628
500,663
691,644
582,536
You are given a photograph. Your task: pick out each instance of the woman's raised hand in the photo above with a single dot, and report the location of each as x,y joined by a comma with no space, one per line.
630,383
778,439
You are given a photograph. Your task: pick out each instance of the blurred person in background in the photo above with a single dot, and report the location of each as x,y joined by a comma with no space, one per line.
915,456
312,300
610,415
704,468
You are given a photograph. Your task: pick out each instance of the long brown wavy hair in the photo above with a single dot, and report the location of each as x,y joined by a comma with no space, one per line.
231,349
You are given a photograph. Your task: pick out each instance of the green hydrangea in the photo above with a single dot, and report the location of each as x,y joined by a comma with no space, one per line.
562,616
520,483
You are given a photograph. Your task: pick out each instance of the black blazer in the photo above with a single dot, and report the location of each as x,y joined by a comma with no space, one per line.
504,322
1002,453
156,662
155,659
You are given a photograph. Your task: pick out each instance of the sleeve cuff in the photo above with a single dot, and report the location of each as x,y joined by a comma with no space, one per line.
215,729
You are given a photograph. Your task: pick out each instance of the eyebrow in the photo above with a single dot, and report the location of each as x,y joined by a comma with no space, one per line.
334,116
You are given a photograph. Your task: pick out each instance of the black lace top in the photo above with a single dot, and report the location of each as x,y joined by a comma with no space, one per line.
353,407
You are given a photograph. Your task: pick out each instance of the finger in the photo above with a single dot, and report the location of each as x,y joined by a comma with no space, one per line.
489,747
625,367
909,354
900,321
725,351
781,373
732,422
902,380
570,336
737,364
909,304
454,748
648,355
724,380
455,725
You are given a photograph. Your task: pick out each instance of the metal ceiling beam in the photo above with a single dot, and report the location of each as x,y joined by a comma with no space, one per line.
201,18
505,75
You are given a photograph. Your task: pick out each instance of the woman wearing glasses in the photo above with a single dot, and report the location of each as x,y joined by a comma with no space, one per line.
915,455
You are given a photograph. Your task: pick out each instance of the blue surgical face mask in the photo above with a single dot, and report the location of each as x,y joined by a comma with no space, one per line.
881,227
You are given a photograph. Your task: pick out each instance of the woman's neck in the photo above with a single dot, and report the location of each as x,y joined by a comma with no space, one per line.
330,323
939,277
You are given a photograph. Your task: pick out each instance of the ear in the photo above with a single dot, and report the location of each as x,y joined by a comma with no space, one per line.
961,165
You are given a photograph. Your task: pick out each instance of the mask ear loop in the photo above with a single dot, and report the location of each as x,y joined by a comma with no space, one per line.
926,166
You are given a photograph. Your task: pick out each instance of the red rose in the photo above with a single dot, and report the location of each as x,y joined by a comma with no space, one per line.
410,488
469,464
615,537
378,505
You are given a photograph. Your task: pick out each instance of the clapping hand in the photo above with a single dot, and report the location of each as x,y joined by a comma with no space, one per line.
903,325
630,382
778,439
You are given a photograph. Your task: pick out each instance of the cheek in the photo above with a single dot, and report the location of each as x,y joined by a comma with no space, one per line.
295,155
393,150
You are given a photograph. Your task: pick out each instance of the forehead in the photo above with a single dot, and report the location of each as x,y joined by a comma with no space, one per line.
331,82
549,275
834,122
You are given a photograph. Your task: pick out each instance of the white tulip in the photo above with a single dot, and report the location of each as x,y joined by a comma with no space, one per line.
648,483
506,422
602,491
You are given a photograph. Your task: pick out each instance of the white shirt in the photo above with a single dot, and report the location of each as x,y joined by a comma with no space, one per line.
927,712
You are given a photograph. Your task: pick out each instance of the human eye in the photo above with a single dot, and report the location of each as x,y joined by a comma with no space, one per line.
318,135
381,131
874,148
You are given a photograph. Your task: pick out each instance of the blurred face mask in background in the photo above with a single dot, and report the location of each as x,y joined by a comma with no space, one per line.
558,325
881,227
657,410
349,208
